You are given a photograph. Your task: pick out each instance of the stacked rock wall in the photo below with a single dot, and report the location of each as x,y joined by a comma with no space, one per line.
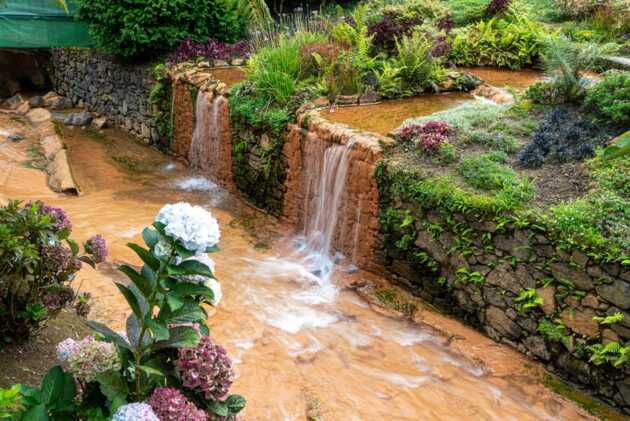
107,86
507,276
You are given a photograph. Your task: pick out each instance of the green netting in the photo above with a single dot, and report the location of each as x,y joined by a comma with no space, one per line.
41,24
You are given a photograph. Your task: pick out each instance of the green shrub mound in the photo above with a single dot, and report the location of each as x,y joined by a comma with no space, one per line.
611,97
140,28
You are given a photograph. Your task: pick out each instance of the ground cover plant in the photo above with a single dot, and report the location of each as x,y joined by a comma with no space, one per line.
39,260
164,366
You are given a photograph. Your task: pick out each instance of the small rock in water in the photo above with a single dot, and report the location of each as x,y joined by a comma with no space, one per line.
15,137
317,272
99,123
14,102
78,119
338,258
59,103
352,269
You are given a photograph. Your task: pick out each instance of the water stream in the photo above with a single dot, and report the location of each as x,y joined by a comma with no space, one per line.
302,343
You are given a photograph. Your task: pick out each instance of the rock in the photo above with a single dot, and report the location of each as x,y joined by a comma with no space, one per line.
37,101
14,102
59,174
580,258
78,119
536,345
99,123
38,115
617,293
50,95
433,248
59,103
347,99
579,278
51,145
504,277
24,108
609,335
590,301
15,137
581,321
493,296
220,63
369,97
496,318
575,367
498,95
238,61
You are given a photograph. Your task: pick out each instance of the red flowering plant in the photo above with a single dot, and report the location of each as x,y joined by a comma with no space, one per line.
38,261
429,136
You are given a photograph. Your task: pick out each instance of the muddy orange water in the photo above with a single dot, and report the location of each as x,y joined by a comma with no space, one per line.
298,352
386,116
228,75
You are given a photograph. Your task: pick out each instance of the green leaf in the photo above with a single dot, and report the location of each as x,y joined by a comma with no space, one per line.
36,413
159,330
151,371
212,249
133,332
108,334
189,312
174,302
112,385
235,404
190,267
183,251
150,237
187,289
219,408
52,385
145,286
146,256
180,337
619,148
88,260
74,247
131,298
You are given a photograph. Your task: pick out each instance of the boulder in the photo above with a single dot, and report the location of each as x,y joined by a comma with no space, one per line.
37,101
504,277
220,63
59,174
50,146
24,108
369,97
99,123
499,321
38,115
494,94
59,103
238,61
14,102
617,292
579,278
78,119
581,321
536,345
347,99
548,295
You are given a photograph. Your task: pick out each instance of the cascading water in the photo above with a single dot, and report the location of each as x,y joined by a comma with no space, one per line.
326,182
210,148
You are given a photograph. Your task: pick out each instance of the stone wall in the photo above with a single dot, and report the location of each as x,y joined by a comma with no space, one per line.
106,86
482,267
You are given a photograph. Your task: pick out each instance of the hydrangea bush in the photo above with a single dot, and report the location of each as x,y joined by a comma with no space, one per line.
38,261
164,367
429,136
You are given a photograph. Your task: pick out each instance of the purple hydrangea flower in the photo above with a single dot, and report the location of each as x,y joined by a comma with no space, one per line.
75,264
137,411
56,258
97,247
206,368
66,348
169,404
58,216
56,300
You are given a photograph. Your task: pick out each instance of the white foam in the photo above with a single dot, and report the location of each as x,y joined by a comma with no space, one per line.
169,167
465,365
404,380
195,184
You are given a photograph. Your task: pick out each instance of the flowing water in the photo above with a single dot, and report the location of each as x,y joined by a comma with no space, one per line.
299,351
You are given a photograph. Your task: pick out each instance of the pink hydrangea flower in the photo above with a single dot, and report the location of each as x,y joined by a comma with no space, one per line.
169,404
206,368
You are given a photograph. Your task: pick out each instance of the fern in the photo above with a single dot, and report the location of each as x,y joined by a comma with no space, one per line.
613,353
609,320
529,299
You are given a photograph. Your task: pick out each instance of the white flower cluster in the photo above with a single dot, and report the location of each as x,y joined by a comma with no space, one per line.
137,411
193,226
197,230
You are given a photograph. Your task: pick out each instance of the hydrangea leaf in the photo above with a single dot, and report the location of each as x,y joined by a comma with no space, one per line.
146,256
108,334
180,337
235,403
186,289
150,237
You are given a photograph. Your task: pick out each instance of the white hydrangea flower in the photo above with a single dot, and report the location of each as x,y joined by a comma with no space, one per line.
137,411
162,248
193,226
66,348
215,286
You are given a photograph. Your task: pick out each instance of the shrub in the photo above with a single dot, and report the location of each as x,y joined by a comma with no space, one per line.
429,136
140,28
546,93
564,61
38,261
418,69
563,136
513,43
610,98
164,361
188,50
465,12
486,173
390,27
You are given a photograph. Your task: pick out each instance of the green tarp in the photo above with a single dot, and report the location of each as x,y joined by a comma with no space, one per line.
41,24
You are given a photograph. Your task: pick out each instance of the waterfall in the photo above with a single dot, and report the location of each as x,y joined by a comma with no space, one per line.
325,172
210,148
